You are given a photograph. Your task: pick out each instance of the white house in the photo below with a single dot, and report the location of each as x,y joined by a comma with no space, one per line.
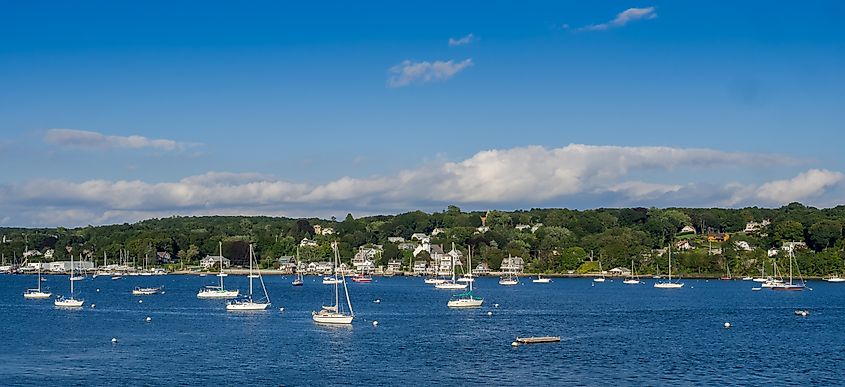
683,245
536,227
394,265
31,253
481,269
395,239
772,252
418,236
64,266
792,246
513,264
483,229
308,242
437,231
407,246
327,231
619,271
752,226
287,263
214,260
743,245
49,253
420,267
522,227
688,230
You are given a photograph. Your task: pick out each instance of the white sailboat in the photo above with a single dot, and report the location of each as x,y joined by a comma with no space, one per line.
541,280
510,278
299,281
633,279
669,284
69,302
453,284
835,278
601,272
37,293
248,303
335,314
790,285
467,299
218,292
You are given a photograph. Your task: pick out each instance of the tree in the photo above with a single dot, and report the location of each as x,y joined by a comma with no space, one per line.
824,234
788,230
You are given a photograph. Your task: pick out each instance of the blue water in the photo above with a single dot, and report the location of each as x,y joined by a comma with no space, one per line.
611,333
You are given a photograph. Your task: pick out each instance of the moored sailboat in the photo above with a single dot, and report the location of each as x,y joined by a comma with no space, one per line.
69,302
669,284
218,292
334,314
37,293
248,303
466,299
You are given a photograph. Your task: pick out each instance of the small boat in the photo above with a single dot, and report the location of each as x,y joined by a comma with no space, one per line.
510,278
434,281
37,293
601,272
633,279
537,340
70,301
466,299
331,280
790,286
541,280
138,291
218,292
362,278
467,278
453,283
747,278
802,312
835,278
247,303
756,289
669,284
77,278
333,314
299,281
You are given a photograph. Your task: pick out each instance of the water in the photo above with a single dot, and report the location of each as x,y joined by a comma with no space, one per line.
611,333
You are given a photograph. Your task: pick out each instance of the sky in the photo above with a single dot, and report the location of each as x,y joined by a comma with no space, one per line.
115,112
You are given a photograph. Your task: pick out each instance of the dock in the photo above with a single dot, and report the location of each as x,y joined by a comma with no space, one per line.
537,340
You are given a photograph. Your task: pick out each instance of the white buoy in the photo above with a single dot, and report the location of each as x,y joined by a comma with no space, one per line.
114,340
514,344
377,301
140,301
148,319
93,305
281,309
98,290
375,323
489,313
727,325
496,305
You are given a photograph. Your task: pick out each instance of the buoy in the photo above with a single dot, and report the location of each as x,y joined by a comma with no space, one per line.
377,301
514,344
496,305
281,309
140,301
375,323
98,290
93,305
727,325
114,340
489,313
149,319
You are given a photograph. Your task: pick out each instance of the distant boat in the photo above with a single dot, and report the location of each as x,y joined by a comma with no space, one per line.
601,272
791,285
70,301
331,280
510,278
466,299
762,277
541,280
138,291
835,278
633,279
299,281
218,292
434,281
248,303
747,278
37,293
453,284
669,284
362,278
727,276
335,314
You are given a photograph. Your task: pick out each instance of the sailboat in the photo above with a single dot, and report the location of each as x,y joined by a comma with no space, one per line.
298,281
509,279
466,299
762,277
210,292
727,276
669,284
601,272
790,285
453,284
69,302
657,272
774,280
247,303
541,280
633,279
37,293
835,278
335,314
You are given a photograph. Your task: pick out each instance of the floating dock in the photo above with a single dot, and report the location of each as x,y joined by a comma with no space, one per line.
537,340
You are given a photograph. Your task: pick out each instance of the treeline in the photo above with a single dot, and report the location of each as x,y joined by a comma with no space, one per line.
549,240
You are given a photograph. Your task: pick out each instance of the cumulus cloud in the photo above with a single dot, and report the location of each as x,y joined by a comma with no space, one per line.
88,139
623,18
461,41
806,185
519,177
409,72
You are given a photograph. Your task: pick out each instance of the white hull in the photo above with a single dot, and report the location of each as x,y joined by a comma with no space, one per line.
144,292
747,278
218,294
249,305
598,279
450,286
36,295
508,282
631,282
760,280
68,303
541,280
466,279
668,285
465,303
772,284
836,279
331,281
324,317
434,281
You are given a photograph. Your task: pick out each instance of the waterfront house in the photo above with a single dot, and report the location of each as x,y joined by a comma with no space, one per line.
481,269
214,261
792,246
64,266
513,264
420,268
287,263
394,265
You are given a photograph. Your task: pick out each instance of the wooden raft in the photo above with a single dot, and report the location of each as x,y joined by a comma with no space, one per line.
538,340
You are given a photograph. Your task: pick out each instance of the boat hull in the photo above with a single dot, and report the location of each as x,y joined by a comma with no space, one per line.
541,281
668,285
68,303
508,282
324,317
450,286
218,294
247,306
465,303
434,281
37,295
631,282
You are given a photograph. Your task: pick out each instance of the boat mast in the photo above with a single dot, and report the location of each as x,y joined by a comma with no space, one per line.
251,256
220,249
670,262
469,267
71,276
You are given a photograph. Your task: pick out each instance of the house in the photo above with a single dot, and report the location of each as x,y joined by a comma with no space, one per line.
772,252
715,251
287,263
792,246
718,236
420,268
395,239
619,271
327,231
536,227
214,260
481,269
743,245
688,230
49,253
31,253
522,227
394,265
64,266
752,226
483,229
317,229
163,257
513,264
437,231
308,242
418,236
407,246
320,267
683,245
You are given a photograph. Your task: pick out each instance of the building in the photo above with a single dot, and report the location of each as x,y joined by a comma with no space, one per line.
792,246
752,226
619,271
420,268
31,253
522,227
418,236
64,266
713,236
214,261
394,265
683,245
320,267
437,231
308,242
772,252
287,263
513,264
743,245
163,257
481,269
410,246
688,230
395,239
483,229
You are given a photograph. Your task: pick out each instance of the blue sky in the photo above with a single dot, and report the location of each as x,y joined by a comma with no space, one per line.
318,110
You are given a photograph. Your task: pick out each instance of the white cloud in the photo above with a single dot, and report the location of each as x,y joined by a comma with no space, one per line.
574,175
409,72
88,139
806,185
623,18
461,41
